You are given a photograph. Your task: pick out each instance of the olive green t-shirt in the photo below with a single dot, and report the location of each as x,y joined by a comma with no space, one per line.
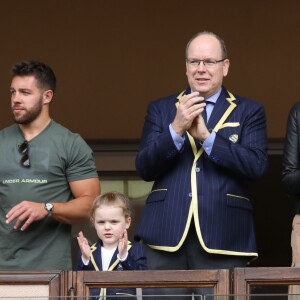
57,157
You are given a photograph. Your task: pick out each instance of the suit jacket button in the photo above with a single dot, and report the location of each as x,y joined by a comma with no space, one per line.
190,195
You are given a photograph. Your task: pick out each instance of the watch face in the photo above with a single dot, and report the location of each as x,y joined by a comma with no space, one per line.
49,206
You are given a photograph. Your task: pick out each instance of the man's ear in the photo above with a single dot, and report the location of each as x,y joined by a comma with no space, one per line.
47,96
226,64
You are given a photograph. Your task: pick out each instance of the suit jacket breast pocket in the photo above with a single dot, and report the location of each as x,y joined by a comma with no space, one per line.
239,202
231,131
157,195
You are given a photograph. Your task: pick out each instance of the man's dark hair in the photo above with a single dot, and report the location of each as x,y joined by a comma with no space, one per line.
42,73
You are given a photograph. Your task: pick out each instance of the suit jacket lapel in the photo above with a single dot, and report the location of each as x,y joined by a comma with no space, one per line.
114,260
222,109
96,259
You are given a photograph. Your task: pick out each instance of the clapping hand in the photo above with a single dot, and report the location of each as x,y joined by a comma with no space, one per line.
122,246
84,246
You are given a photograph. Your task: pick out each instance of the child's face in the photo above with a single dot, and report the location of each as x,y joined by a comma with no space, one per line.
110,223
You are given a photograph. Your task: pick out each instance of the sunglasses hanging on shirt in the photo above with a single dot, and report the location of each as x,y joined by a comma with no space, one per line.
24,150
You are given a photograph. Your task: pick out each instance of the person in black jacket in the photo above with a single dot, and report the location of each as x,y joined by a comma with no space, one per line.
110,215
291,181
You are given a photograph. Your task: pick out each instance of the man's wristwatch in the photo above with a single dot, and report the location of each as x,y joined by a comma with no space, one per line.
49,208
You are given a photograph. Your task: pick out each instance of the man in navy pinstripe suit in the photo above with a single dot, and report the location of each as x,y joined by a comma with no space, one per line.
201,148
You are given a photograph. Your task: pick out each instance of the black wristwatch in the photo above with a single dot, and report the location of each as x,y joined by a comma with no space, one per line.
49,208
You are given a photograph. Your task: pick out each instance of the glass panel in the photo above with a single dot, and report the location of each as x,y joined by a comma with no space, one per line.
133,188
119,297
111,185
248,297
144,293
22,290
269,289
138,188
165,297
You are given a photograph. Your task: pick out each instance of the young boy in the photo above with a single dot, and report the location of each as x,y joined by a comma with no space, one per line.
110,214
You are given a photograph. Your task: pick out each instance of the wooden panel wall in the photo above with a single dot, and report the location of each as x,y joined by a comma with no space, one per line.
112,57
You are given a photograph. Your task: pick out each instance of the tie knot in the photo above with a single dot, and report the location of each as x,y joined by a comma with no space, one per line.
209,102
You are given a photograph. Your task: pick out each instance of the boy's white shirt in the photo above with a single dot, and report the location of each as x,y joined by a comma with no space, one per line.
106,255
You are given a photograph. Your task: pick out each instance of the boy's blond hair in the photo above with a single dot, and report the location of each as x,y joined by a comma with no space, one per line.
111,198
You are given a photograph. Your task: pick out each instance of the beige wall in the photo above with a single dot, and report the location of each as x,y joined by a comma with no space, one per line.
112,57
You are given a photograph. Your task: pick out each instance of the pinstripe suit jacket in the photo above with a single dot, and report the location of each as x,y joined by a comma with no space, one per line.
190,186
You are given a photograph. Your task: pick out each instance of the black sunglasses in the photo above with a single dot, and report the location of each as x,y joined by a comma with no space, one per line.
23,150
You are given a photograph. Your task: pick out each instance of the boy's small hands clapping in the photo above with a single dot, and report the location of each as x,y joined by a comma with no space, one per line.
122,246
84,246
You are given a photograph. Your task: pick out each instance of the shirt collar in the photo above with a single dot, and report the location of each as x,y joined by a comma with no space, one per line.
213,98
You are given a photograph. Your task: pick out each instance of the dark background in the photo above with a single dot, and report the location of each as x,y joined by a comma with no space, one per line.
273,215
112,57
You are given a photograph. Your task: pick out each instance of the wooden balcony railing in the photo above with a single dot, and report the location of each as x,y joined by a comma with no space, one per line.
76,285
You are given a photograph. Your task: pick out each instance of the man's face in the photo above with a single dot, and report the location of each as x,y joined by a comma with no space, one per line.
26,99
207,80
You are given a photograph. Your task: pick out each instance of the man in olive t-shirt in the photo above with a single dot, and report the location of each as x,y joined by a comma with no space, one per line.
48,177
